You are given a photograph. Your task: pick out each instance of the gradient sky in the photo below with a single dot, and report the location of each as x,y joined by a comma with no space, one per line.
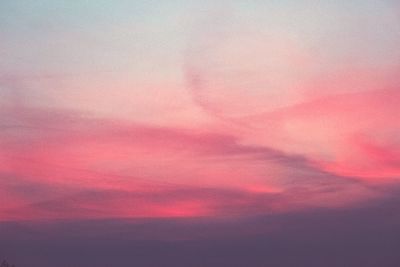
143,112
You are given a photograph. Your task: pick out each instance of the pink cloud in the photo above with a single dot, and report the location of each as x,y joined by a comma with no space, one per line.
62,164
347,132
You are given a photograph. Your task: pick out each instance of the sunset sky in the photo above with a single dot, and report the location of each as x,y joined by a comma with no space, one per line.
233,117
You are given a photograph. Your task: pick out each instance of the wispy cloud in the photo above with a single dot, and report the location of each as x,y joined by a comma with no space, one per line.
61,164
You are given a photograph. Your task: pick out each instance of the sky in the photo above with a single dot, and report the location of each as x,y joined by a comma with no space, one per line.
207,133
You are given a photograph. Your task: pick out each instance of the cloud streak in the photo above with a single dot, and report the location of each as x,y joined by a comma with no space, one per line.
60,164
